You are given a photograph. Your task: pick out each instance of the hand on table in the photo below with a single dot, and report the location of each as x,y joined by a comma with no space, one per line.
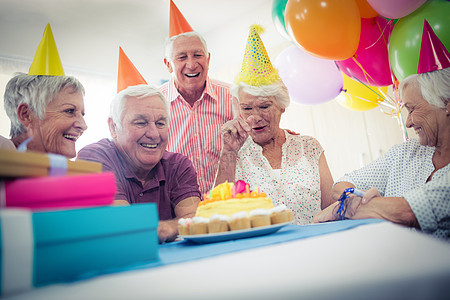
353,203
330,213
167,231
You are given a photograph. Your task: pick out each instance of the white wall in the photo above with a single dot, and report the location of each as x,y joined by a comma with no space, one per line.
349,138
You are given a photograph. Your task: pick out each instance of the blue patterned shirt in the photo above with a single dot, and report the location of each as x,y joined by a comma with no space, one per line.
403,172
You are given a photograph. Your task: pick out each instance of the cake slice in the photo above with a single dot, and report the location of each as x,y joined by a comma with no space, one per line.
239,221
260,217
183,226
281,214
218,223
199,225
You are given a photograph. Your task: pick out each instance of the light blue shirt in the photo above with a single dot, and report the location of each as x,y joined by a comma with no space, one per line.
403,172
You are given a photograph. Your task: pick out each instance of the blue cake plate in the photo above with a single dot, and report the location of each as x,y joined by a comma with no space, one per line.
233,235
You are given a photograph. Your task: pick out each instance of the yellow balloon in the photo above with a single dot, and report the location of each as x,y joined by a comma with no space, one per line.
359,97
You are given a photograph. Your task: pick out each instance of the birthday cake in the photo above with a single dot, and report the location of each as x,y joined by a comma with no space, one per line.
232,206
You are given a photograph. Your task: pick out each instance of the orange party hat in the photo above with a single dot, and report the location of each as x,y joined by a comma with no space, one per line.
178,23
127,75
46,60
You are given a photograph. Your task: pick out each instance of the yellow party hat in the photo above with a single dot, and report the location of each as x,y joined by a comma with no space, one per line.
257,70
46,60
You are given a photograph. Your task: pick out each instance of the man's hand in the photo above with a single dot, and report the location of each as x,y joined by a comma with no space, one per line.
167,231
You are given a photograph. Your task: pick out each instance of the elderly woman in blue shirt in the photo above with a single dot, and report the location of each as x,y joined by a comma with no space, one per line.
410,184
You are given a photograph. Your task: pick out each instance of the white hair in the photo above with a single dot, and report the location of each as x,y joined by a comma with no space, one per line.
435,86
139,91
277,90
37,91
170,41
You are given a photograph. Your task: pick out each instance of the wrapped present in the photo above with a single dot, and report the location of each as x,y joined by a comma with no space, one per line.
30,164
40,248
59,191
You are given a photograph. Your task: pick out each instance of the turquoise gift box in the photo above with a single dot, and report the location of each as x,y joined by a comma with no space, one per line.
40,248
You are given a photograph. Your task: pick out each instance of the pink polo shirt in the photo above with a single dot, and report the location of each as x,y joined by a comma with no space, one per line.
195,131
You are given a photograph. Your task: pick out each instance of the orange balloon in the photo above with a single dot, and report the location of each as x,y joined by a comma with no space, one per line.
327,29
366,11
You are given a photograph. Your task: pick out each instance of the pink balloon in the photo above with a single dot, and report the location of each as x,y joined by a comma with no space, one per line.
394,9
310,80
370,64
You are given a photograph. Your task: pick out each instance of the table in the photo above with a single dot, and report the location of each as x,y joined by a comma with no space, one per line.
374,261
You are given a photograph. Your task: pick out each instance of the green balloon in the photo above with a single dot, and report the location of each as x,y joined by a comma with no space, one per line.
278,8
406,37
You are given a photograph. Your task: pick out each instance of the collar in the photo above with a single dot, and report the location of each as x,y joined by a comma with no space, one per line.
249,143
159,174
208,92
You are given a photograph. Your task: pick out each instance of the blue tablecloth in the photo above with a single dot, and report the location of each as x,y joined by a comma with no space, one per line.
183,251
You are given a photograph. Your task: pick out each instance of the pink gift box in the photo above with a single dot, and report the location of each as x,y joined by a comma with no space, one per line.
73,191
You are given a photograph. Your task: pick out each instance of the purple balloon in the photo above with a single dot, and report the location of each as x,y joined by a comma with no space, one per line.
395,9
310,80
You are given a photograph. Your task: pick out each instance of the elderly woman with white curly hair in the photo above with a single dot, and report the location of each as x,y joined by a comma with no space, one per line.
410,184
290,168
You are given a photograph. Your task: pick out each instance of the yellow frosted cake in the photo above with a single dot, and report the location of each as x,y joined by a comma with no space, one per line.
232,206
228,199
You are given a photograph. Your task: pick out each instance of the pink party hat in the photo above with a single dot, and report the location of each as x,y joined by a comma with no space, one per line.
433,54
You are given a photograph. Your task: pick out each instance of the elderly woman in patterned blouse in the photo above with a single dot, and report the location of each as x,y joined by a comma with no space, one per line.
410,184
290,168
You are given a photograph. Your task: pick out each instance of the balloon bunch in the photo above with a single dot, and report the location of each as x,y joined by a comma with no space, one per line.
353,50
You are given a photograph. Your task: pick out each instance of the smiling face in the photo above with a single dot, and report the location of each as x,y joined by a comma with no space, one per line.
62,125
262,115
189,64
422,116
142,139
